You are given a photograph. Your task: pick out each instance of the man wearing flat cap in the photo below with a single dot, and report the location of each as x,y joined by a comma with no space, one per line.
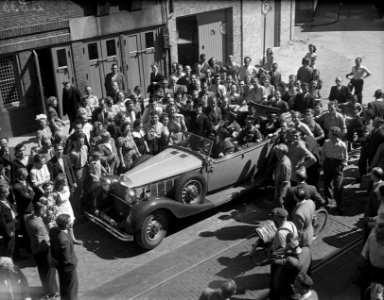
249,134
71,101
335,159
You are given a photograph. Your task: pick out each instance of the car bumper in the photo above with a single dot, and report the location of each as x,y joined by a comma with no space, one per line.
110,227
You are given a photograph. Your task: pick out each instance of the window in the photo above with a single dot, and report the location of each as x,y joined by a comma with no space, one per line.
149,40
61,58
93,51
8,84
111,47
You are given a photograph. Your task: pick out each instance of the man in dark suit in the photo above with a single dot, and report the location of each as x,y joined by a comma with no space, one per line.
310,192
340,92
63,253
100,113
71,101
377,107
112,77
24,196
40,246
201,125
61,164
155,79
7,221
6,160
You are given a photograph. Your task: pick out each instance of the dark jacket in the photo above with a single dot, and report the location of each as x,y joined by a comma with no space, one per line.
62,249
24,196
38,234
120,79
377,108
71,100
310,193
55,169
341,95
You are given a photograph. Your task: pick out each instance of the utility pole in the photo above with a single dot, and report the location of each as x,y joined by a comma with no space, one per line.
265,8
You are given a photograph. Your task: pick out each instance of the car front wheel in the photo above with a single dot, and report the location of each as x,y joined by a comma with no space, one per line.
190,188
153,230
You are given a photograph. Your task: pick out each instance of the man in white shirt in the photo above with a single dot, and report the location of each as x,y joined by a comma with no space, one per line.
358,74
247,69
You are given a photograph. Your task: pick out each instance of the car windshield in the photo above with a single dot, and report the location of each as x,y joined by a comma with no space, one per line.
197,143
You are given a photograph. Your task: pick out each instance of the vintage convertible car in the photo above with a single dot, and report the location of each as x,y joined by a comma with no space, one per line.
180,181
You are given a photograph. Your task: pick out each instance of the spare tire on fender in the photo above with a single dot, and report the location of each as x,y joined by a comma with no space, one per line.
190,188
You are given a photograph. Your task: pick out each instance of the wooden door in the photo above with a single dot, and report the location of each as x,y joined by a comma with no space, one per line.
133,67
212,34
95,75
110,54
148,42
63,70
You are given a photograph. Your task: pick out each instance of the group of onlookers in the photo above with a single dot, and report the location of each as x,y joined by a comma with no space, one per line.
43,191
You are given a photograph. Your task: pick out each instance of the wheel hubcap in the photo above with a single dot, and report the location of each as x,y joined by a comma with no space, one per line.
191,192
154,228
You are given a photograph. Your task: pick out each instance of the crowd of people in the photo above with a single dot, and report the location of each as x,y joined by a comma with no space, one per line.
41,192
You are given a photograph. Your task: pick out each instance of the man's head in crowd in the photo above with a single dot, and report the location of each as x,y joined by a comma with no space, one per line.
247,61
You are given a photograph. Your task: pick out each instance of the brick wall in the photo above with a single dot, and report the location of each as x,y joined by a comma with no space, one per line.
185,8
80,64
247,37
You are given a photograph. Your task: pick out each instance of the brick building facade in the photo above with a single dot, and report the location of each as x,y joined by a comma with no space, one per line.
44,42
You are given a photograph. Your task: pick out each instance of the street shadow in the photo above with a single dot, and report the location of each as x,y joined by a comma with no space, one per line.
230,233
359,16
342,239
105,246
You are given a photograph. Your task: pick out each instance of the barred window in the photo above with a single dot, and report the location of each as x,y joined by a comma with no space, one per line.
8,84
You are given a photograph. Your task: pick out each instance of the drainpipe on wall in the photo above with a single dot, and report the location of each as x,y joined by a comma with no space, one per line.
39,82
241,32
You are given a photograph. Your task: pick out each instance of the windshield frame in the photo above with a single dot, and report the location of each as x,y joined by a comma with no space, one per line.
202,145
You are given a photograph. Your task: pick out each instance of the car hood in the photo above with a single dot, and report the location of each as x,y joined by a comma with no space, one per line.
168,163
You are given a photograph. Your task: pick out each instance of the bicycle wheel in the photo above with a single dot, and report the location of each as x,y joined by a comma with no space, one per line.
320,221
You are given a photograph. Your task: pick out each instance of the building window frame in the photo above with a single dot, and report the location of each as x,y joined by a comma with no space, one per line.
13,76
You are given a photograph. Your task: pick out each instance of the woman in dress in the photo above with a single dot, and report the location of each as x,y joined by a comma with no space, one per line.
139,137
267,60
39,174
61,194
50,205
85,108
176,125
165,121
121,102
126,148
43,130
311,55
55,123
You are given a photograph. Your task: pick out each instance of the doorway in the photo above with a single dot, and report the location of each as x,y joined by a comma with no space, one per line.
46,70
187,40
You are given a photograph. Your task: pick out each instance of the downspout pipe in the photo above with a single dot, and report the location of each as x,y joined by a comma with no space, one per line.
39,82
241,32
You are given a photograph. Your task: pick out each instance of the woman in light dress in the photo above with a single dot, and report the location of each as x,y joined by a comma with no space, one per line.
63,205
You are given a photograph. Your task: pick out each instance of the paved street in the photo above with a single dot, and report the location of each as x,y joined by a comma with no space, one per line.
206,250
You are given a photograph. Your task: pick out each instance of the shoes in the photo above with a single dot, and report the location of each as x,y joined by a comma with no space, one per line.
51,297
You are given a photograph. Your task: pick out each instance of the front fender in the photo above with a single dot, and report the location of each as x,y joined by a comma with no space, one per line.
146,206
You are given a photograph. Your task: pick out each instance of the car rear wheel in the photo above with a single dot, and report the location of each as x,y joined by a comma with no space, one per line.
153,230
190,188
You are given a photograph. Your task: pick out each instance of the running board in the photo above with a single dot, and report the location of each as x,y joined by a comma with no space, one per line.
125,237
229,194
